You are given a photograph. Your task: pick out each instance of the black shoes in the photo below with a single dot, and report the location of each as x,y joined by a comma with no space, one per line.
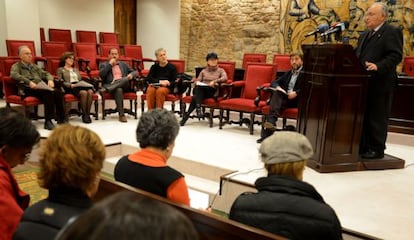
260,140
49,125
371,154
184,119
86,118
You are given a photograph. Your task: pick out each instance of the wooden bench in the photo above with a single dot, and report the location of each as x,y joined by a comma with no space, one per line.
208,225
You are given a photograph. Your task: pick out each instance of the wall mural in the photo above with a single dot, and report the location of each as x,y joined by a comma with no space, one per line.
299,17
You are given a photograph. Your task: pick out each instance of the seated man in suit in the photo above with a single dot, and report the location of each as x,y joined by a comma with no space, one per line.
33,77
285,96
115,75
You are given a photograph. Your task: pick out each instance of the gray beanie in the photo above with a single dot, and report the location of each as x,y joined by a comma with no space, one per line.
285,146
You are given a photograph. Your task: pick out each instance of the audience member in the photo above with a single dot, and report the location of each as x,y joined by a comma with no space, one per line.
70,162
72,78
206,84
286,94
116,75
284,204
380,51
161,80
147,169
33,78
17,137
127,215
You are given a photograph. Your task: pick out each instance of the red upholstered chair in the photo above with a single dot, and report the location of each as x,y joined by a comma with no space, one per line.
108,37
174,96
12,94
131,96
213,103
408,65
61,35
13,48
88,58
251,100
135,53
86,36
253,58
282,61
42,35
54,49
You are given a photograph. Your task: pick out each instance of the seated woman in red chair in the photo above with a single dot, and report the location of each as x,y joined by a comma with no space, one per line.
160,79
72,78
205,85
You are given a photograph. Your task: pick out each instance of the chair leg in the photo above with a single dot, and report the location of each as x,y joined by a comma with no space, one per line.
240,118
95,104
173,107
210,117
142,106
103,108
135,108
284,121
251,124
221,118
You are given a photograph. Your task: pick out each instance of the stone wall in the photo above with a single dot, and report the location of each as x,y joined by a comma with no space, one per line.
230,28
234,27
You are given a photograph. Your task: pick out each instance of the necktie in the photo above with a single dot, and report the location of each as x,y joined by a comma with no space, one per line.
371,33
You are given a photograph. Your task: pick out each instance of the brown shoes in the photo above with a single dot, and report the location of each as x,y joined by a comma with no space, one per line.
123,118
269,126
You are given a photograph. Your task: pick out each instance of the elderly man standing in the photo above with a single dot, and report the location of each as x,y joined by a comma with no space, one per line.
34,79
380,51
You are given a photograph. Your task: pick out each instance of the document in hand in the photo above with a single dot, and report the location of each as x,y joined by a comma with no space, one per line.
83,84
43,86
201,84
278,88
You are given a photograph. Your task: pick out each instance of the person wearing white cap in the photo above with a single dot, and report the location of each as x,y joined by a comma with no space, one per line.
284,204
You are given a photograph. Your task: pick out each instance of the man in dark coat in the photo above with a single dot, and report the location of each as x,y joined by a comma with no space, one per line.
284,204
380,51
286,95
115,76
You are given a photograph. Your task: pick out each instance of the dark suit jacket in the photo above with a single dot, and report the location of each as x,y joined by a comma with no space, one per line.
384,49
105,71
284,80
64,74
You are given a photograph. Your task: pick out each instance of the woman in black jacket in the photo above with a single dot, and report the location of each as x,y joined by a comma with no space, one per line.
284,204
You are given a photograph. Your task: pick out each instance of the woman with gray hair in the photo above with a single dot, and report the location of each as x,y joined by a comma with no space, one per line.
147,169
284,204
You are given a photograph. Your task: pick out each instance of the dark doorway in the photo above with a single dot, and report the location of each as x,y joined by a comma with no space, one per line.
125,14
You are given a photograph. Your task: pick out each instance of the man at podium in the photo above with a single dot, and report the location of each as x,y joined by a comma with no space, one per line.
379,49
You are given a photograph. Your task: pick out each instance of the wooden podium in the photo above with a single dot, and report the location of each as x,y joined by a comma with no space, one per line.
331,109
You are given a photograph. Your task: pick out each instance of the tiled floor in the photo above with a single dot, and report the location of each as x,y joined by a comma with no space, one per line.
378,203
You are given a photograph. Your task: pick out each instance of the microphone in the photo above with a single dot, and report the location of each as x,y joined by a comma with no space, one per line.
320,29
337,27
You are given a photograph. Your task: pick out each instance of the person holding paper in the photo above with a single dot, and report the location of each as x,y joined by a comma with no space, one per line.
160,79
206,84
115,76
71,83
286,95
39,83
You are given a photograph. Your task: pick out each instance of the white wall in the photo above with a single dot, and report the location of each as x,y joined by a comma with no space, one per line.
3,28
95,15
158,21
158,25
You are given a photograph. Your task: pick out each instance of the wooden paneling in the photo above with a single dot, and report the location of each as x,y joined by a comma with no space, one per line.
125,22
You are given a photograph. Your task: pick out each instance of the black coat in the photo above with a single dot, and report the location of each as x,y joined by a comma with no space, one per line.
46,218
287,207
